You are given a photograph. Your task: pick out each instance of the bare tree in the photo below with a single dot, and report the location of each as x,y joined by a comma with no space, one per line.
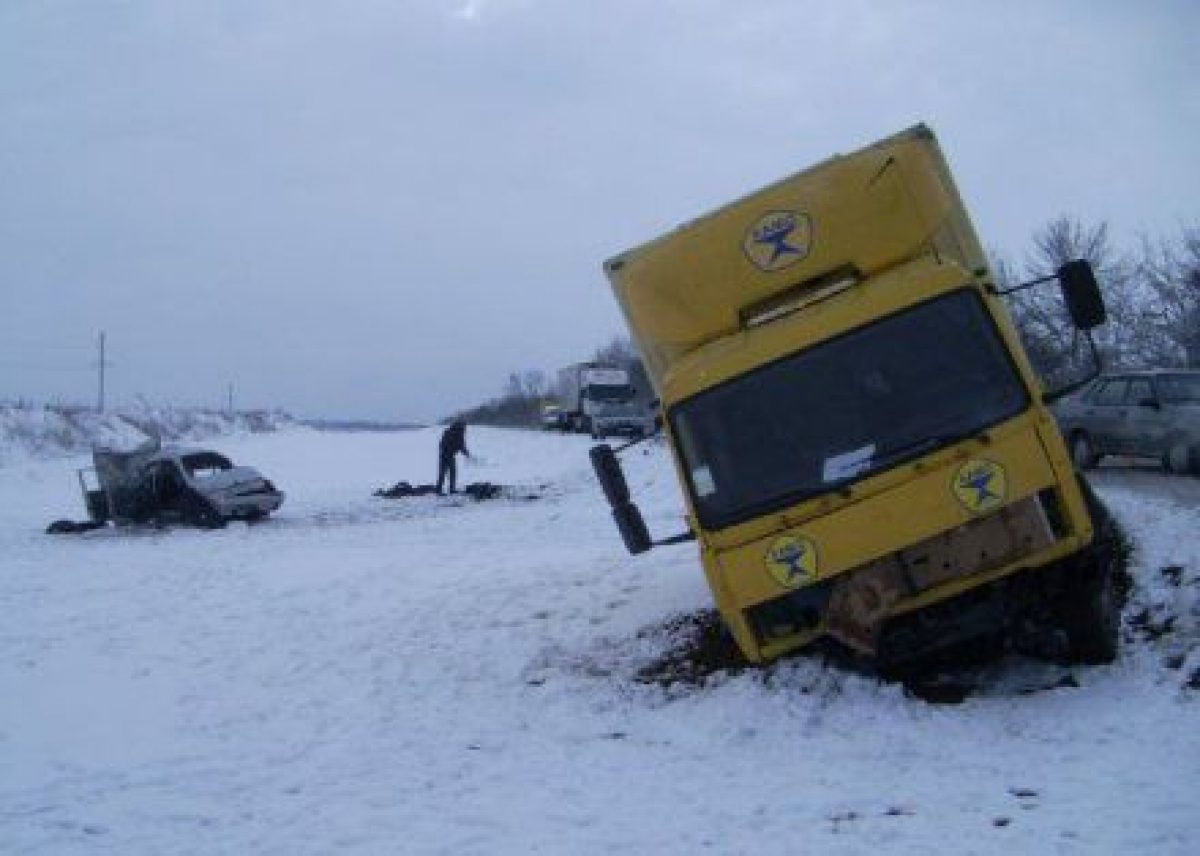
1055,346
519,404
528,384
1170,270
620,351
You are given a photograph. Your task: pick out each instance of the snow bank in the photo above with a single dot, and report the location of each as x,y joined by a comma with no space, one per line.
37,432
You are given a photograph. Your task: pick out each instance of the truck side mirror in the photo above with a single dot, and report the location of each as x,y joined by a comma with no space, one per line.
629,520
632,527
1082,295
609,473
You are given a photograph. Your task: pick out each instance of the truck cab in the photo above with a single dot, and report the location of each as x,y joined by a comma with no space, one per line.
864,448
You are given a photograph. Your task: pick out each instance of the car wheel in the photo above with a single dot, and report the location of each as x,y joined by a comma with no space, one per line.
1180,459
1082,453
198,511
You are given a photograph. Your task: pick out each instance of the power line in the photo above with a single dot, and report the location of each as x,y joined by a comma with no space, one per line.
31,345
43,367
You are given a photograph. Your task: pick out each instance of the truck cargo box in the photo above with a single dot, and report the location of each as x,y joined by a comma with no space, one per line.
712,276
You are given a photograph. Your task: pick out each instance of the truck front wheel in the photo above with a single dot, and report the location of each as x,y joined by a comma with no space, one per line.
1091,614
1094,594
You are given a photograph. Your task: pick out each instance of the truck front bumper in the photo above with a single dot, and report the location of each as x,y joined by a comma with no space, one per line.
634,426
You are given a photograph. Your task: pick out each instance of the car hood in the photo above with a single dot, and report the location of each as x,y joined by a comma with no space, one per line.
231,478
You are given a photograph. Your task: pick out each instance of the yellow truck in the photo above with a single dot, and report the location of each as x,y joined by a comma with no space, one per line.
865,450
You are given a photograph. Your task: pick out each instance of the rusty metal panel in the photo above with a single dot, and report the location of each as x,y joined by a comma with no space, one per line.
1014,531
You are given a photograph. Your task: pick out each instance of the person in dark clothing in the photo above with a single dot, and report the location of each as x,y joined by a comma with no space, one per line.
454,440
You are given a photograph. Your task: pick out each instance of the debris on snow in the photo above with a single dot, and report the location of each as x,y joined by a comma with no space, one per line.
401,490
700,646
478,491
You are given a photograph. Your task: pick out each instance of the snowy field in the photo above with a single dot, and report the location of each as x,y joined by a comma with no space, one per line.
432,675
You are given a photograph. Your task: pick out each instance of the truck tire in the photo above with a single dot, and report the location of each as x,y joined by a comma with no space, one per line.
1090,609
1091,614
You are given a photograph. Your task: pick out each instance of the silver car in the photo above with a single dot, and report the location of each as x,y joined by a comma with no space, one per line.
1154,414
197,486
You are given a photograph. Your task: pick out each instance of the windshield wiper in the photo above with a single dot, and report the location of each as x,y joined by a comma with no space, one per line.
925,444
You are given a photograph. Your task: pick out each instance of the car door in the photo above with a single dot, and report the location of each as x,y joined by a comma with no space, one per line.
1139,425
1101,413
167,485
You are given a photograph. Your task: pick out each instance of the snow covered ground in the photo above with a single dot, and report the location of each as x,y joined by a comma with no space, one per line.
432,675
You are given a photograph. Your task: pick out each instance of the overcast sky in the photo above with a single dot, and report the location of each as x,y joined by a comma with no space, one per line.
378,209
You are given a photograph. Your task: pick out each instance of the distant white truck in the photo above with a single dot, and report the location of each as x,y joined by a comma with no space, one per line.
598,399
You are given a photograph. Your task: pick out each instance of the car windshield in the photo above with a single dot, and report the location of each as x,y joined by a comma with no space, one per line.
204,464
825,416
1179,389
610,392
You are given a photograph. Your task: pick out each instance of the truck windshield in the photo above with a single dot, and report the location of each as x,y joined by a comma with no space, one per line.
865,401
610,392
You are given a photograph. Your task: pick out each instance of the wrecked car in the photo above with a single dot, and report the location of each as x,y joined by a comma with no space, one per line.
170,484
1148,414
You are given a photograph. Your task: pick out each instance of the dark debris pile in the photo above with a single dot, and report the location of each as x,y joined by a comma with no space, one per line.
700,647
477,491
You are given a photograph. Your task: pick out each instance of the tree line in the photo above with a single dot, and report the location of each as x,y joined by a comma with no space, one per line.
1152,292
520,402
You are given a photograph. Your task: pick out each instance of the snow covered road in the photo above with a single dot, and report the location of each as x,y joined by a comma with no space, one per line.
432,675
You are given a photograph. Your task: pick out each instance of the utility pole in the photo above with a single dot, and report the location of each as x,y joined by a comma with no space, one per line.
100,400
229,398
